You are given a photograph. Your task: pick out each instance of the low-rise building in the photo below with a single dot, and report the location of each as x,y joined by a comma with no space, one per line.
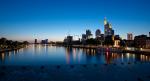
116,41
142,41
68,40
148,42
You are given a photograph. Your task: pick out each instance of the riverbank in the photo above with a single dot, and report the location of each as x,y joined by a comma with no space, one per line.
7,50
113,49
11,49
79,72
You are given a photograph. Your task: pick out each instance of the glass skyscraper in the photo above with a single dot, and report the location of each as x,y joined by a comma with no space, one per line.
108,31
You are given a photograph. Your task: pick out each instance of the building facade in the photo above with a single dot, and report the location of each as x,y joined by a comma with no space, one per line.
88,34
117,41
140,41
148,42
35,41
68,40
108,31
129,36
97,33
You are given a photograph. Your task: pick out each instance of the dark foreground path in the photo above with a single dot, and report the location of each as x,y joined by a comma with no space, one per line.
95,72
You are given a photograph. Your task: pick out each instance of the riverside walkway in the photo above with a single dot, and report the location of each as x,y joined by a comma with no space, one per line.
137,71
113,49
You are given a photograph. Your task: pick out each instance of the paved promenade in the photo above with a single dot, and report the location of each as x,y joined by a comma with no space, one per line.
89,72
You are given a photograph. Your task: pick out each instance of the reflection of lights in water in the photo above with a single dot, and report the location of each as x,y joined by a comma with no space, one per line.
44,48
39,49
133,56
128,56
79,58
146,58
3,56
9,53
88,51
14,52
107,57
141,57
21,50
74,51
107,54
106,49
122,57
74,54
33,47
112,54
67,56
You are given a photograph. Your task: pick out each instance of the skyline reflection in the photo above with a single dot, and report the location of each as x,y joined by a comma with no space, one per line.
47,54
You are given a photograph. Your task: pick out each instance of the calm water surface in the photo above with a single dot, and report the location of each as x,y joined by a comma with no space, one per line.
47,54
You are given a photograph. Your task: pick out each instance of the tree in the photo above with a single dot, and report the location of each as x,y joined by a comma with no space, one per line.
25,42
3,41
91,41
122,43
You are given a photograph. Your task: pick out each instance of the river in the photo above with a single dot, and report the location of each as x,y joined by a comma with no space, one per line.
54,55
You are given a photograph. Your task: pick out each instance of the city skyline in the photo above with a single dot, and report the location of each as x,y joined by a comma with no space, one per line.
53,20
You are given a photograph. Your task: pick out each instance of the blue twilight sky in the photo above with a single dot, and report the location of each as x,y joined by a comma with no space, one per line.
54,19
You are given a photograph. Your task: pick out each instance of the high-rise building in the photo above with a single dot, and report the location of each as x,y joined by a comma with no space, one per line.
83,40
35,41
108,31
83,36
46,41
97,33
42,41
68,40
88,34
129,36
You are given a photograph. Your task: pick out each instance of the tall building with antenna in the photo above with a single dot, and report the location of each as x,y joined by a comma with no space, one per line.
108,31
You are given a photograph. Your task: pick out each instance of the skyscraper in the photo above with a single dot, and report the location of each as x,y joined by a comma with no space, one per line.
46,41
88,34
129,36
97,33
35,42
108,31
83,36
68,40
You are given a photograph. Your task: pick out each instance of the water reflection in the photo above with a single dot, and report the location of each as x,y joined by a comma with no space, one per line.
7,56
39,49
89,51
47,54
92,56
72,55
